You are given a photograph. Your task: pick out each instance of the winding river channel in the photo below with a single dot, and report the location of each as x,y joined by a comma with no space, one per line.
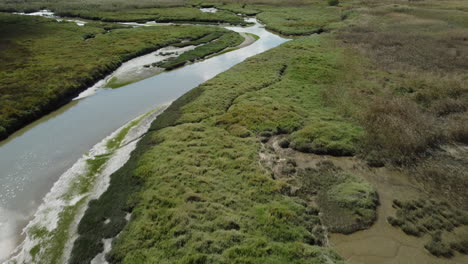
37,156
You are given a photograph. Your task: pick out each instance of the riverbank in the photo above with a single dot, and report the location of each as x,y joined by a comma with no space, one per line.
50,234
27,96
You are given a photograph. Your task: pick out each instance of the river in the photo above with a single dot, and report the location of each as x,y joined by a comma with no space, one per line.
35,157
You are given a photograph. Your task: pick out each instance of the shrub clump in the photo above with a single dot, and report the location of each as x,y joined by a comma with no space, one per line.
460,246
418,217
410,229
337,138
348,203
284,143
437,247
394,221
333,2
398,130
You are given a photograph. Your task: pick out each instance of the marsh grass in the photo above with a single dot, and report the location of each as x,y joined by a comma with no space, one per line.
439,219
102,5
293,20
398,129
213,46
412,85
163,15
347,202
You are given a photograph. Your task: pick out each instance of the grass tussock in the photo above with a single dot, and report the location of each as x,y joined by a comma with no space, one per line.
347,202
398,129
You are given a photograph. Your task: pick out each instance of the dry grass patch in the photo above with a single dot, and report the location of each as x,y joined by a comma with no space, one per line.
398,129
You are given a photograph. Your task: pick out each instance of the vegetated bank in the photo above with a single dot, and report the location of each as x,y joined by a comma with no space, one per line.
49,235
45,63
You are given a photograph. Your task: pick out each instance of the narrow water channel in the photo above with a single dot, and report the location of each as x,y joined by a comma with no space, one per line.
35,157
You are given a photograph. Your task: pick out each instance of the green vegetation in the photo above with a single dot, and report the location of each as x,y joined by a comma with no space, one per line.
299,20
460,242
205,39
337,138
437,247
175,14
230,39
333,2
75,58
348,203
253,35
102,5
418,217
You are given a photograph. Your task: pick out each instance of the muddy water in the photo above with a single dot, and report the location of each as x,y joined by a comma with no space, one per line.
381,243
33,159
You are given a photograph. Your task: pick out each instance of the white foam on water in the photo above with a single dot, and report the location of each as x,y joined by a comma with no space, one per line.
48,214
209,10
101,257
50,14
43,13
8,231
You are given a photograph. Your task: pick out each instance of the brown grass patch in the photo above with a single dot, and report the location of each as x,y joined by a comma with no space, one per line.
398,130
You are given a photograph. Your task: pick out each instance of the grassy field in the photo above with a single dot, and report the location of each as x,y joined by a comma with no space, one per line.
45,63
